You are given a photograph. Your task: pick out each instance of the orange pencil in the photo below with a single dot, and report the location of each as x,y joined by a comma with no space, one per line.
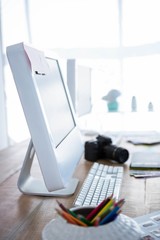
69,216
69,220
83,219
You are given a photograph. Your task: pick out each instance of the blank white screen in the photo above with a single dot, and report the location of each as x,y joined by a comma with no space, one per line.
55,102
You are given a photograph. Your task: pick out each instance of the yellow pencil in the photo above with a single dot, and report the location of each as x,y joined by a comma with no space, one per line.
104,209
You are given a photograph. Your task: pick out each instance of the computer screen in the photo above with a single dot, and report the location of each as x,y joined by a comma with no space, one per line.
50,118
55,102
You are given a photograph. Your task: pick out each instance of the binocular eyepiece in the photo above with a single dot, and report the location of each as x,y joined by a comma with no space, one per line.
102,148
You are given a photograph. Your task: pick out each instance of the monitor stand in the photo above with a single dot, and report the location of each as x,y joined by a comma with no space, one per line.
33,186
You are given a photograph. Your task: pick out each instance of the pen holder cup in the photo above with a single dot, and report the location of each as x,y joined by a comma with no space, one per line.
121,228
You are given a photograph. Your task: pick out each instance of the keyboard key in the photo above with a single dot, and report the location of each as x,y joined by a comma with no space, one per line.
100,183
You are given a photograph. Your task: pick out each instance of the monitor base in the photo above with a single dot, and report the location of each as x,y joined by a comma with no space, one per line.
30,185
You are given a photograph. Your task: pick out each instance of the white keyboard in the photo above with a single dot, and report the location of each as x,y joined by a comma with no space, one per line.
101,181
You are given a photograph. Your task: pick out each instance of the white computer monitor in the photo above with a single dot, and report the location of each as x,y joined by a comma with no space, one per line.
55,137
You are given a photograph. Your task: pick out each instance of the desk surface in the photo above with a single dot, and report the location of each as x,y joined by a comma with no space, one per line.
24,217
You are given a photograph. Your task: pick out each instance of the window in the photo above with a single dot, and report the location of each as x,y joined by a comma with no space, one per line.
119,40
74,23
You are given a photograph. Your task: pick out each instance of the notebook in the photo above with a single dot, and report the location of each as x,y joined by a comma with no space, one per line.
145,160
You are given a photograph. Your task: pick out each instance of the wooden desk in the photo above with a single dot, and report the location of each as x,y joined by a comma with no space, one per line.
24,217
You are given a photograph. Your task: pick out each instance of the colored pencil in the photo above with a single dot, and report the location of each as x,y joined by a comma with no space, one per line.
69,220
95,211
62,206
81,218
109,217
105,212
104,209
70,217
